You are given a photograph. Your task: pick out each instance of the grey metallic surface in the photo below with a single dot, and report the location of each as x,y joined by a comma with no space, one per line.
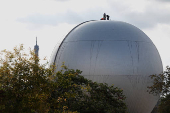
116,53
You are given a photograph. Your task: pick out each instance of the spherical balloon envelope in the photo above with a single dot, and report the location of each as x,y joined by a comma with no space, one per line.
116,53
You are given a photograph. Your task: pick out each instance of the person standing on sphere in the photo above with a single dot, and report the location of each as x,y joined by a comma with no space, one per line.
104,16
107,17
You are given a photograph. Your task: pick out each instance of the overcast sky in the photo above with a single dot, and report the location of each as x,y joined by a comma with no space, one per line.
21,21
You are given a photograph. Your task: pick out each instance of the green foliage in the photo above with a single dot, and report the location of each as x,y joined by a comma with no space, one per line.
164,106
86,96
161,86
27,86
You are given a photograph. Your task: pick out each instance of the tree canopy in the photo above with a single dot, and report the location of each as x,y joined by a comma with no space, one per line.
161,86
27,86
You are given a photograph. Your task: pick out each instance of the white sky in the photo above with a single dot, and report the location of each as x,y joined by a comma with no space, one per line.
50,20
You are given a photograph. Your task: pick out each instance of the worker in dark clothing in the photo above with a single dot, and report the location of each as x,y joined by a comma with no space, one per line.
107,17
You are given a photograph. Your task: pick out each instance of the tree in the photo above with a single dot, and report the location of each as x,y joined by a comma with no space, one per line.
86,96
27,86
161,86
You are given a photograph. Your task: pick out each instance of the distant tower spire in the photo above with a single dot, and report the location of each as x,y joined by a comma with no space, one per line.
36,40
36,48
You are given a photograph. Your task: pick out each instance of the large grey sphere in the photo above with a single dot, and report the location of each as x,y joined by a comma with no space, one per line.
115,53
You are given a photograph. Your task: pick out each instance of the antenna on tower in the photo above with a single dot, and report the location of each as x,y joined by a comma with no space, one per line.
36,48
36,40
